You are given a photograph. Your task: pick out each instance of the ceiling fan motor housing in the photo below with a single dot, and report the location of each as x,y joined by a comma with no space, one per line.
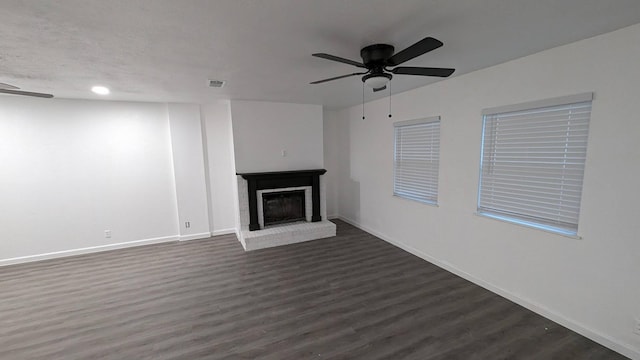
375,56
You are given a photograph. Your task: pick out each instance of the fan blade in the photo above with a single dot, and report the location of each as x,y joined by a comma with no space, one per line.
336,78
421,47
25,93
8,87
339,59
380,89
422,71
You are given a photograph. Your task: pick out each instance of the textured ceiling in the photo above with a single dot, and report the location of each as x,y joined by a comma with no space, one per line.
165,50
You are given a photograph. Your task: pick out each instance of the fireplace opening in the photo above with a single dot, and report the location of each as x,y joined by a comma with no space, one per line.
283,207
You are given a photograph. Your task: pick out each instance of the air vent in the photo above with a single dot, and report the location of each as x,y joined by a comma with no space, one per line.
216,83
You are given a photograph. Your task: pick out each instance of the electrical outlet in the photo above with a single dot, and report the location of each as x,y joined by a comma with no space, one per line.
187,224
636,327
107,234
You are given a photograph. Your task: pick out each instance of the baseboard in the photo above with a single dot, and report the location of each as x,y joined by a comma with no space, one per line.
223,232
333,216
203,235
622,348
87,250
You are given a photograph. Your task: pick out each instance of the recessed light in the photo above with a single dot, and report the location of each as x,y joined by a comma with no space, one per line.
100,90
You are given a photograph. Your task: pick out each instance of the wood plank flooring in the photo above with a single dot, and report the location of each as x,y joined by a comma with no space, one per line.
349,297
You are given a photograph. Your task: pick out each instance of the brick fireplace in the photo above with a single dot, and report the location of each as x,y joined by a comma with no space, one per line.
295,208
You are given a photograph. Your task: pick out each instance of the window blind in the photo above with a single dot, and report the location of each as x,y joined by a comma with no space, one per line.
533,163
417,159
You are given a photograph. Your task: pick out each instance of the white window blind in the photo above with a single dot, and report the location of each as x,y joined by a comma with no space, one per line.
417,159
533,162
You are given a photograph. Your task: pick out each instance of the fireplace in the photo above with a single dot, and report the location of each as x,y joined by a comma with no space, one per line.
283,207
294,200
281,181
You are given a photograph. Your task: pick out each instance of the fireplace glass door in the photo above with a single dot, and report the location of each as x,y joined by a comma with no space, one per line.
283,207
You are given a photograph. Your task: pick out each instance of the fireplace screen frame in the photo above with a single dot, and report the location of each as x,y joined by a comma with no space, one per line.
301,197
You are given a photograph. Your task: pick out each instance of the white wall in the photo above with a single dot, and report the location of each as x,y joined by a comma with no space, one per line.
591,284
262,130
189,170
71,169
74,168
221,168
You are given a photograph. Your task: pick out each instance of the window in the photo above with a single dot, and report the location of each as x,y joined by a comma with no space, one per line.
416,159
532,164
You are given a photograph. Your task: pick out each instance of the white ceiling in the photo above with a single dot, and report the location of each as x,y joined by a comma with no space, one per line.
165,50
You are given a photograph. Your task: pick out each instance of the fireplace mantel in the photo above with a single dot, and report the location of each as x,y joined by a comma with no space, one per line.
282,179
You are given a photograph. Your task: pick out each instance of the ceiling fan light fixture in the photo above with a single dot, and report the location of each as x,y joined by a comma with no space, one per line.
376,81
100,90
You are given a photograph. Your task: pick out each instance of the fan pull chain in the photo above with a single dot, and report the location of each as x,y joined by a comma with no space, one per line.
363,100
389,98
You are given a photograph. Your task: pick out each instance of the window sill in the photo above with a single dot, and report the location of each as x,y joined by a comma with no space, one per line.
415,200
529,226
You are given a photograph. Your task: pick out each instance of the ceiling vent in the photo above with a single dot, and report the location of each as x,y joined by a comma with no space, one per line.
216,83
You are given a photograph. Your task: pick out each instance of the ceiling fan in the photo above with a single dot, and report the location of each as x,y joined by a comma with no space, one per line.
378,58
14,90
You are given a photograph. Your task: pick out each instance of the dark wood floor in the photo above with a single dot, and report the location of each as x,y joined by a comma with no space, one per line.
349,297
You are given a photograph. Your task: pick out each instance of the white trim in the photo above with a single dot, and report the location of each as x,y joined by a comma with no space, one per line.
224,232
423,202
203,235
616,345
87,250
530,225
563,100
333,216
